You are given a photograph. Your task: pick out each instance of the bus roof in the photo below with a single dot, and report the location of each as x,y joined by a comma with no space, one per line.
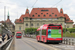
43,27
18,32
46,25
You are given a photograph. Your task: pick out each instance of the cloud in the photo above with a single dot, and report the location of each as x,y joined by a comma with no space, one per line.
18,7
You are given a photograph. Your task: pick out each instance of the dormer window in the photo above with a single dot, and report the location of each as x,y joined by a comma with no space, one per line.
38,15
55,15
27,12
67,19
32,15
41,13
61,11
20,19
52,13
49,15
44,15
26,18
35,13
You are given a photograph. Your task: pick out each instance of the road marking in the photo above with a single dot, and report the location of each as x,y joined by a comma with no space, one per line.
27,44
45,45
34,46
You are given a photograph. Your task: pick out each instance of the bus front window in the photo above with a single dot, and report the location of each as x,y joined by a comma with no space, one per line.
18,34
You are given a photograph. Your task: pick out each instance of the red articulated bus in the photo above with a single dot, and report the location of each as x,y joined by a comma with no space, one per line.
50,33
18,35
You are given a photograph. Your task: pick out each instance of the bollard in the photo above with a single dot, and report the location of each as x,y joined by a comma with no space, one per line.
69,41
66,41
72,41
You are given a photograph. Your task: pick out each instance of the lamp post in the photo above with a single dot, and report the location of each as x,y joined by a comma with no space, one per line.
65,29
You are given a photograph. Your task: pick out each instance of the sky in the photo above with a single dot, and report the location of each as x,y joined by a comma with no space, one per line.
18,7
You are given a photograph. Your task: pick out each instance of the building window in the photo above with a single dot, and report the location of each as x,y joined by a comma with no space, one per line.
44,15
31,24
35,13
32,19
61,23
41,13
44,10
67,26
52,13
37,24
20,19
38,19
19,27
55,19
38,15
55,15
50,19
32,15
27,12
49,15
61,11
43,19
26,18
26,24
67,19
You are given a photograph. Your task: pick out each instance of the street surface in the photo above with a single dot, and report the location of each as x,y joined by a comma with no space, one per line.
31,44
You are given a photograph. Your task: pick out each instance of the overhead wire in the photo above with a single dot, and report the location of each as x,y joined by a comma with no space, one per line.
34,3
57,3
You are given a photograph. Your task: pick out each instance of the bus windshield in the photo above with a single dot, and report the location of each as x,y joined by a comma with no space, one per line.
18,34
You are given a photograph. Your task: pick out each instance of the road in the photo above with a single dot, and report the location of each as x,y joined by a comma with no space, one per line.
31,44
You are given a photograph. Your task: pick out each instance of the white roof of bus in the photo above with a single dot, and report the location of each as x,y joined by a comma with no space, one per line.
42,27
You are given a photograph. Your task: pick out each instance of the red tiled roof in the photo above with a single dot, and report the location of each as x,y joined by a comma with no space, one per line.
20,20
8,21
1,21
44,13
67,18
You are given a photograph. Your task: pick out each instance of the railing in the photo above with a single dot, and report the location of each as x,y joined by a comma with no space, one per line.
11,46
66,40
6,45
69,41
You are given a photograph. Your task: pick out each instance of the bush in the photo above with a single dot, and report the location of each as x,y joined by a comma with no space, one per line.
71,30
30,30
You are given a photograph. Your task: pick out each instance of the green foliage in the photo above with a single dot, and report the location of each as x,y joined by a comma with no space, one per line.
69,29
30,30
68,34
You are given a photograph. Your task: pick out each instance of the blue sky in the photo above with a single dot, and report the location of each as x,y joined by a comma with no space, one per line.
18,7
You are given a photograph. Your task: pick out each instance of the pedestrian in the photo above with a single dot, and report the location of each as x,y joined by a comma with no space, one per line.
3,37
8,37
0,39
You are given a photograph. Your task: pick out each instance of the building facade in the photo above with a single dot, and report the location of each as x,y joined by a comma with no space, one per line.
9,25
40,16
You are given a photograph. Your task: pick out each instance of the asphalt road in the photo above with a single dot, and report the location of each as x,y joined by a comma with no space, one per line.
32,44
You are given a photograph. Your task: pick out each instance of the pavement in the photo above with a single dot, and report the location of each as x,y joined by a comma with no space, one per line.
31,44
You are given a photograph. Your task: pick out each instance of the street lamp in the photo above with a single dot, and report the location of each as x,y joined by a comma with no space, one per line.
65,29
